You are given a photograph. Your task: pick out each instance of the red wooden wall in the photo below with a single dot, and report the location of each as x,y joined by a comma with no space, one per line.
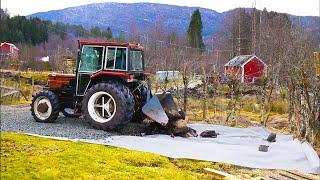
253,69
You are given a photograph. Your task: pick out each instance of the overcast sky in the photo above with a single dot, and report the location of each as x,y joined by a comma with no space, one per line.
295,7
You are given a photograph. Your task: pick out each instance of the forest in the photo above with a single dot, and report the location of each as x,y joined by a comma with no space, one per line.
34,31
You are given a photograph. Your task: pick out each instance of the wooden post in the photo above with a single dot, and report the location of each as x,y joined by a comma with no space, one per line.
185,88
205,98
232,100
32,81
218,174
316,63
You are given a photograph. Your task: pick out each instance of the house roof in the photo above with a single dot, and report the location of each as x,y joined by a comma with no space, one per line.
241,60
238,60
10,44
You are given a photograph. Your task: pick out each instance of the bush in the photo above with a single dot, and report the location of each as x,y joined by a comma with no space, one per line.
280,107
250,104
37,76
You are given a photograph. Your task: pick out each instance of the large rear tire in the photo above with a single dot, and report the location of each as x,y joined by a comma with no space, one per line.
45,107
108,106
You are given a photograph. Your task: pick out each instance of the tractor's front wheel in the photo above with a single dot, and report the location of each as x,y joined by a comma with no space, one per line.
108,106
45,107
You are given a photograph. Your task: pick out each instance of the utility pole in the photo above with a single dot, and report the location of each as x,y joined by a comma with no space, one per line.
212,43
239,35
260,32
253,46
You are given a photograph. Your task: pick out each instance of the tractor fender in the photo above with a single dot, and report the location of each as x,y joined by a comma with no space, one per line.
102,76
111,74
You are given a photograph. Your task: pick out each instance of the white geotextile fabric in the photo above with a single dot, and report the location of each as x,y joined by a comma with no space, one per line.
238,146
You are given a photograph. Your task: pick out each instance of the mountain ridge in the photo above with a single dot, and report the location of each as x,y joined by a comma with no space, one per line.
119,16
177,20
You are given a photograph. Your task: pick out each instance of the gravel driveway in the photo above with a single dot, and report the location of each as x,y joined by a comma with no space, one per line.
17,118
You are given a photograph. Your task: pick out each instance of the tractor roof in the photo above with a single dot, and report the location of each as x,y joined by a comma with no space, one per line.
130,45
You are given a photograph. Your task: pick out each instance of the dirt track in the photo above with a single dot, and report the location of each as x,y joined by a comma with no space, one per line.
17,118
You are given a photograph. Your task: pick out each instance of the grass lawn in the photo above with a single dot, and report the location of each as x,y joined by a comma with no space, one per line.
27,157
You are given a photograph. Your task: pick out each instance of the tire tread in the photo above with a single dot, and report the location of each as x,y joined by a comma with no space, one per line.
127,108
54,103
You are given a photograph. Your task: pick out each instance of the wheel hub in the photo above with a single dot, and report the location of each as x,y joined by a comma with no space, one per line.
102,107
43,107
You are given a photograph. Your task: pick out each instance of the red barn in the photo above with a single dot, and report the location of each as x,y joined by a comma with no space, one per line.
245,67
9,50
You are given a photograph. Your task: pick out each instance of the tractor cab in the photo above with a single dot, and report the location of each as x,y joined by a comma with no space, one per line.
101,61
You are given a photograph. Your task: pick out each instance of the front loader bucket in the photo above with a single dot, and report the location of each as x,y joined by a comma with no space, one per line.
154,111
169,106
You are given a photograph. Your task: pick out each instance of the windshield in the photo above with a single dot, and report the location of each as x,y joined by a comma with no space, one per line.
136,60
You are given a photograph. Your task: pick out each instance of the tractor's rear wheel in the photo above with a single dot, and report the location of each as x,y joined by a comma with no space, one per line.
45,107
108,106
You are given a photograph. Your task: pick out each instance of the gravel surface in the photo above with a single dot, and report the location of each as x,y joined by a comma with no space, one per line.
17,118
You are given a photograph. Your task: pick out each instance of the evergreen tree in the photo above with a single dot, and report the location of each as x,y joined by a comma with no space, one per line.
194,34
107,33
19,29
121,37
95,32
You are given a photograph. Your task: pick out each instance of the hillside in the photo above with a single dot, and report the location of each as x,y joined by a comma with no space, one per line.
119,16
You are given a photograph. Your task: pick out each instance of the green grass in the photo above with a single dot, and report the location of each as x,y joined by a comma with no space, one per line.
20,101
24,86
27,157
218,106
37,76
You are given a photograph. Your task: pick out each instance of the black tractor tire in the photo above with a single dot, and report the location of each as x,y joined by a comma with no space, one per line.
124,105
68,115
51,98
138,115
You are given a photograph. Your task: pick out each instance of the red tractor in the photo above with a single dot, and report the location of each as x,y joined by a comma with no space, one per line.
109,87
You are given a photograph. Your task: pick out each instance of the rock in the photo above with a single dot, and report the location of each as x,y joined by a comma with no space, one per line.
155,128
191,133
272,137
263,148
209,134
173,128
179,128
135,133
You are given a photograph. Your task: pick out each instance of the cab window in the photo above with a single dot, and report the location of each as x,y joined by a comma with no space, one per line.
121,57
110,58
91,58
116,58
